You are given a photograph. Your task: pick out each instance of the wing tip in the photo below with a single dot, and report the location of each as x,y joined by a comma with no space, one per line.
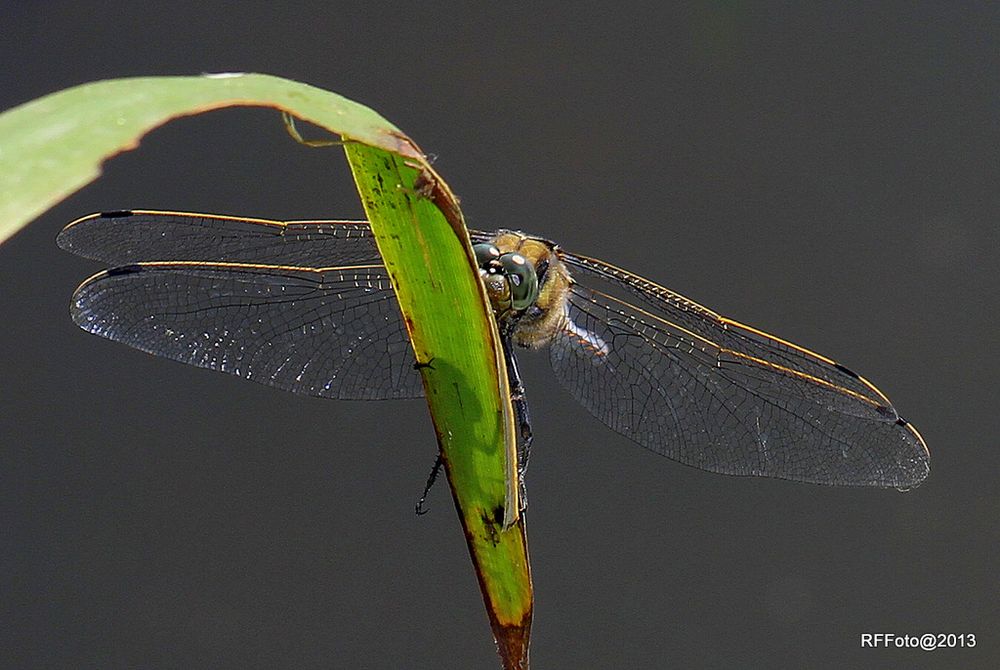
66,239
915,476
913,466
923,455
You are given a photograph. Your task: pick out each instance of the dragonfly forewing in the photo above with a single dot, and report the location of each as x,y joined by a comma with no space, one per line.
133,236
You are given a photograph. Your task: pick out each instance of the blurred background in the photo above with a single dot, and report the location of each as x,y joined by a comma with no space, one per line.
827,173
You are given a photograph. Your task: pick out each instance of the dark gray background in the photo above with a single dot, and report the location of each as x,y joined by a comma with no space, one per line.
829,174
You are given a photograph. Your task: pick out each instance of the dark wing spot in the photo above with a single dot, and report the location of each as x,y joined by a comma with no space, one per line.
846,371
124,270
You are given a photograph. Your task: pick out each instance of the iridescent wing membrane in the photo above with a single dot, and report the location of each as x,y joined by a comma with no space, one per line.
705,390
306,306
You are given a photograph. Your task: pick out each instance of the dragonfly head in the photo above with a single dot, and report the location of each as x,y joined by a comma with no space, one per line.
511,281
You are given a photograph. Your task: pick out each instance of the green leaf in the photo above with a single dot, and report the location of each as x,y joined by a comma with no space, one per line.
436,278
53,146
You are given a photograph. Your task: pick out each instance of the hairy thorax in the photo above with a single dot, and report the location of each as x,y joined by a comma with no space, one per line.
538,324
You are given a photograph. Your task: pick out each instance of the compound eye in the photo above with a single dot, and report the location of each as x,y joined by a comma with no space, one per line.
485,254
522,280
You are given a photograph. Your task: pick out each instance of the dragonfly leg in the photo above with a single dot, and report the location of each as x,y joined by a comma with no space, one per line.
521,418
523,444
431,478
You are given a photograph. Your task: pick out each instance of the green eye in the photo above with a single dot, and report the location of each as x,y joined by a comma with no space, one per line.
522,280
485,253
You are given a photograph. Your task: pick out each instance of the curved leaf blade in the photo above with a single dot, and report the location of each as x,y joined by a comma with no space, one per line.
51,147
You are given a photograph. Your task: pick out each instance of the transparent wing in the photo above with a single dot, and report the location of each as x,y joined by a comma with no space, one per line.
704,390
329,332
119,238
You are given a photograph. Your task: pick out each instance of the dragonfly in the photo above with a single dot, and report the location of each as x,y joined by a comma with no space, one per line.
308,307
